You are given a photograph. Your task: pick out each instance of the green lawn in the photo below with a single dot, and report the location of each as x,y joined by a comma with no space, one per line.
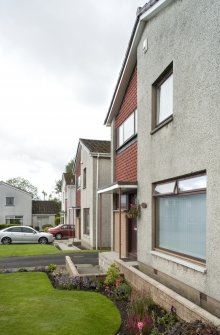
29,305
27,250
32,249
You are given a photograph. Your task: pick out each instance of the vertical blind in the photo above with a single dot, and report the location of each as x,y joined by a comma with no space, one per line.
182,224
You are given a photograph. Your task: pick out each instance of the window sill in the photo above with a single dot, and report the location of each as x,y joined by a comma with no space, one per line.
162,124
127,143
180,261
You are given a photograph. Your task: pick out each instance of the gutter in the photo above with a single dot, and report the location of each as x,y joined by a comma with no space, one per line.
101,155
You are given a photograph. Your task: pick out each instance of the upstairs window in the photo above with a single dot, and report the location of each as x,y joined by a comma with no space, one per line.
127,129
84,178
10,201
163,97
78,181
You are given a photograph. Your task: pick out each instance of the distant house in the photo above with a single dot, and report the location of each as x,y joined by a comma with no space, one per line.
92,171
68,198
15,205
43,213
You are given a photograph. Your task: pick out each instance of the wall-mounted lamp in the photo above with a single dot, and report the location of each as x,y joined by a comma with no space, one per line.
143,205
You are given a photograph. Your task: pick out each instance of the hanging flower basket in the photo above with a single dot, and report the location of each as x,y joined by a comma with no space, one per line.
134,211
131,216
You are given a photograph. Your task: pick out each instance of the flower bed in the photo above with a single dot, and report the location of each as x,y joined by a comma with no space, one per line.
139,314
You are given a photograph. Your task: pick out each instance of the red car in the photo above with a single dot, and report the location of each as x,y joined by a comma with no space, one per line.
62,231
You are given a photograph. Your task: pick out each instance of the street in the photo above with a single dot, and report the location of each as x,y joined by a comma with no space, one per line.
44,260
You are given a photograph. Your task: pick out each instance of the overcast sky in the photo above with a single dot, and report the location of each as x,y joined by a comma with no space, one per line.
59,63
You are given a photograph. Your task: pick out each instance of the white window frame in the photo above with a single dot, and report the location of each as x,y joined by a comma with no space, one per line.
124,134
165,99
14,217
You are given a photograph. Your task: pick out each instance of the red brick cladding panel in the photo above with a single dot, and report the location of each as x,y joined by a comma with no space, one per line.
78,173
129,103
126,164
126,160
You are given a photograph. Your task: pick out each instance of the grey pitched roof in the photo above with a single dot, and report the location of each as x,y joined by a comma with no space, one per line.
44,207
69,178
97,146
17,188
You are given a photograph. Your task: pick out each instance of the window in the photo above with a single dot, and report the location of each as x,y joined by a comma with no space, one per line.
14,219
15,230
27,230
84,178
163,96
86,221
78,181
10,201
181,216
127,129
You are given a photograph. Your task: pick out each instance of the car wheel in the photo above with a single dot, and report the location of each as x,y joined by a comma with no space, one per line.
6,240
43,240
58,236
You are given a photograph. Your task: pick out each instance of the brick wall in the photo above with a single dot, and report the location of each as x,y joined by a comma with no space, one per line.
126,160
164,296
129,103
126,164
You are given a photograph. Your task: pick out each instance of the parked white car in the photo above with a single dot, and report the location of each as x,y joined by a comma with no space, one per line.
24,234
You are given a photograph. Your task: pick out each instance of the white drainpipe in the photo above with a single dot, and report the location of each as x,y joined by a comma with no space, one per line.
97,204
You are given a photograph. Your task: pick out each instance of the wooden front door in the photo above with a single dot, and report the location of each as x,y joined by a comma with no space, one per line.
132,238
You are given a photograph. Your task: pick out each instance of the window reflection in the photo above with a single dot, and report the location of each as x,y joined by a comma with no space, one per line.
165,188
194,183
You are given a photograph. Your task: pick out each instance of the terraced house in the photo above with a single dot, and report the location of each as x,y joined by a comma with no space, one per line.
92,171
68,201
165,124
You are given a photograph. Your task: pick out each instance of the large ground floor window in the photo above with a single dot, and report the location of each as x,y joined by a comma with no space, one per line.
13,219
181,216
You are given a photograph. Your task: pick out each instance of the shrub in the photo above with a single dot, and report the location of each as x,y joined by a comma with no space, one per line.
66,282
57,220
113,275
52,267
23,270
37,228
46,227
123,291
142,304
164,320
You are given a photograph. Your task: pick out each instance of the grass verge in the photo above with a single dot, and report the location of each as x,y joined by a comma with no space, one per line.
29,305
13,250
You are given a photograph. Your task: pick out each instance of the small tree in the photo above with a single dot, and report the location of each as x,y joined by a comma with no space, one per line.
58,186
69,167
24,185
